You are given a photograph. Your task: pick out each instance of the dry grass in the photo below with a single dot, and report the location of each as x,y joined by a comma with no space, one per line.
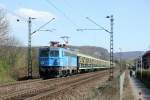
108,92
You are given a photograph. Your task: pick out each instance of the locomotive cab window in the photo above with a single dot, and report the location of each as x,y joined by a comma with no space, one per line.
44,53
54,53
69,54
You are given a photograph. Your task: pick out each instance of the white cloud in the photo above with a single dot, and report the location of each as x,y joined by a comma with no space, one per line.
42,15
2,6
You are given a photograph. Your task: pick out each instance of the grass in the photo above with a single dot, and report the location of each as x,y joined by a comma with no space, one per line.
5,72
104,92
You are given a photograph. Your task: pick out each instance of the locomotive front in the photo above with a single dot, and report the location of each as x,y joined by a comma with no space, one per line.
49,61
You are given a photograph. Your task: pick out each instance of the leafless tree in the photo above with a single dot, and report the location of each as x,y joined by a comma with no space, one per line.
3,33
3,27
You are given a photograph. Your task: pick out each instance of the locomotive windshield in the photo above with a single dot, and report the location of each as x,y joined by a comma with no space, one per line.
44,53
54,53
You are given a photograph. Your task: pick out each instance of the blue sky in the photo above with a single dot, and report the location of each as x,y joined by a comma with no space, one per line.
131,24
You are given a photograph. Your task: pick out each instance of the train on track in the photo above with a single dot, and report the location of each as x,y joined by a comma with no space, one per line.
143,62
56,61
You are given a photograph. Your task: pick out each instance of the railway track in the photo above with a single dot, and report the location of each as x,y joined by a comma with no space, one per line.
66,87
23,85
16,86
43,88
18,82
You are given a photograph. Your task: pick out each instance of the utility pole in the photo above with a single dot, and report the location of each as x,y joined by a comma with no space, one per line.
120,60
29,49
29,43
111,41
30,33
111,46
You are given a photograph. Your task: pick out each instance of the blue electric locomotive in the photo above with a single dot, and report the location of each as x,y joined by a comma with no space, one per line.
56,61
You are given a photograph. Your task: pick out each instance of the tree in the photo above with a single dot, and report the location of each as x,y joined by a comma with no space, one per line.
3,27
9,49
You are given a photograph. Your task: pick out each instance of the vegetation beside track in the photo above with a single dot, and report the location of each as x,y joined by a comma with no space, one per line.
13,65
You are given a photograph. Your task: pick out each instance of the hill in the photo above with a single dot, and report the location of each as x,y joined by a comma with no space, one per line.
103,53
94,51
128,55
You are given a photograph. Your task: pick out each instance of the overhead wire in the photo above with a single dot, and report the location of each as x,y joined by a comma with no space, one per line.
60,11
67,4
43,25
